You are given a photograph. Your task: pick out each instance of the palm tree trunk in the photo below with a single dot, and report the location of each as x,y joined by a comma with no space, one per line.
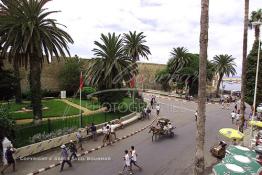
199,163
257,33
244,66
35,87
218,84
18,94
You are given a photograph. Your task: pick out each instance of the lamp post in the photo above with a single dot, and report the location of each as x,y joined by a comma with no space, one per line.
257,23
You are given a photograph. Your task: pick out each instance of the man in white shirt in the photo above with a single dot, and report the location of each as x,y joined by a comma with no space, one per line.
79,140
196,115
134,158
157,109
233,116
127,163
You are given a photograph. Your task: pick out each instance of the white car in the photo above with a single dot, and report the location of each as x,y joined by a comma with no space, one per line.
259,108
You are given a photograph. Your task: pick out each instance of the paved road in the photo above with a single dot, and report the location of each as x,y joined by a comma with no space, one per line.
166,156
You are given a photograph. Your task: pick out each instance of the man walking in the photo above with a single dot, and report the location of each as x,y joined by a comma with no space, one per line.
64,156
79,140
73,150
127,163
233,116
196,114
93,131
10,159
134,158
157,109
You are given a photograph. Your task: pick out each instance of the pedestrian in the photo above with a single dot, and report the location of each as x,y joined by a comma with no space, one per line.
134,158
73,150
196,115
233,116
152,103
223,104
79,140
93,131
127,163
104,130
112,131
108,134
235,107
237,117
148,111
10,159
157,109
64,155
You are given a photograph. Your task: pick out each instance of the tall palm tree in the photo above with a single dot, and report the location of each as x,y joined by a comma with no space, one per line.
111,66
199,163
134,45
18,93
244,66
255,16
224,65
179,58
27,30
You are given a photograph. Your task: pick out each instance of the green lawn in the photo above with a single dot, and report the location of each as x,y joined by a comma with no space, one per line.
56,108
86,104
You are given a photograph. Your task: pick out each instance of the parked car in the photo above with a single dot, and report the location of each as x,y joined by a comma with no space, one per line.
259,108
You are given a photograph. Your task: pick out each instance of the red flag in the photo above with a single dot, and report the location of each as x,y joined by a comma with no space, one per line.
132,82
81,81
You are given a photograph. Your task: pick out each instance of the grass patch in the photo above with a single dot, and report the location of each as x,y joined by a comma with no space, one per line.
56,108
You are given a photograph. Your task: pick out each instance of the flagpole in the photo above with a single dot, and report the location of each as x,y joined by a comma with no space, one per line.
80,89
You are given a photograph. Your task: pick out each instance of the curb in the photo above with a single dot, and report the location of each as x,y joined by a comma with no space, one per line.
94,149
179,99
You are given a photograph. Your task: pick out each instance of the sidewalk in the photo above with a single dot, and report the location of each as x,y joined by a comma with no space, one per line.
45,159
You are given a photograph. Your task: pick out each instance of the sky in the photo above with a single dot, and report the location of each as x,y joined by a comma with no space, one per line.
166,23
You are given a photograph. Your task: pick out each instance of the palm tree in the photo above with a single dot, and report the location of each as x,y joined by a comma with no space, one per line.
112,66
179,58
224,65
18,93
199,163
244,67
255,16
134,45
27,30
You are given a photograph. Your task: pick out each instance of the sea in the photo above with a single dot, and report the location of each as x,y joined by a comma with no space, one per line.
229,86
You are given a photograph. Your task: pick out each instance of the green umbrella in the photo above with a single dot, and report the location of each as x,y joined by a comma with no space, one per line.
248,164
229,169
240,150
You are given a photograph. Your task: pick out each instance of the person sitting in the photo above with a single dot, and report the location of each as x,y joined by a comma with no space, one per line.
165,129
170,127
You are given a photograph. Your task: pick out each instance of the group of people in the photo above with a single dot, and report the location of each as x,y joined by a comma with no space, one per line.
130,160
108,130
72,148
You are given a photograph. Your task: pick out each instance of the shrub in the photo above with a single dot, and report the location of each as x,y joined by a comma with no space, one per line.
69,76
7,84
49,93
88,90
6,124
46,136
27,95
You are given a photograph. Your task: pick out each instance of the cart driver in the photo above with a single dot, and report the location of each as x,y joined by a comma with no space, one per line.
166,129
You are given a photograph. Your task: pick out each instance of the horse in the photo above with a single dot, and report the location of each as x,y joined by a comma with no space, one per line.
156,132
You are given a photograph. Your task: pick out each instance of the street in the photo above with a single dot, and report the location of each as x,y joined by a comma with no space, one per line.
167,156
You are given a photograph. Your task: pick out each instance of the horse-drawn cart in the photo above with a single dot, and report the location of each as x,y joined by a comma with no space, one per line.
162,128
